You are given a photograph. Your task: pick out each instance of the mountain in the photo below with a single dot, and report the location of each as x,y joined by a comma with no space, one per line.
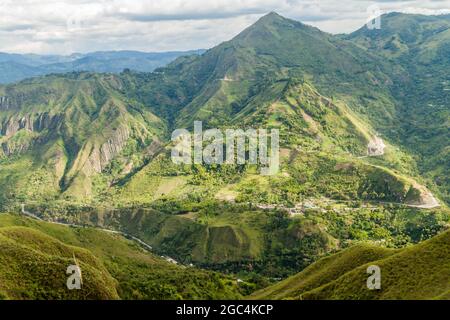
419,272
16,67
95,149
12,71
89,125
35,60
421,45
70,128
323,93
404,36
274,49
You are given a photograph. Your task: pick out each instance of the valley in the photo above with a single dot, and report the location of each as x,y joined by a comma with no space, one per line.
85,161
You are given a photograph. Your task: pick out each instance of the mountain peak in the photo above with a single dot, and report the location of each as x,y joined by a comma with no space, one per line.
270,18
272,15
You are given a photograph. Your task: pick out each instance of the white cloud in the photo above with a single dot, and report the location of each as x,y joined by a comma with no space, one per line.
62,26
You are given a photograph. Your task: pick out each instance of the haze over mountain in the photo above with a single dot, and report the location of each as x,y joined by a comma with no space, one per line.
16,67
94,148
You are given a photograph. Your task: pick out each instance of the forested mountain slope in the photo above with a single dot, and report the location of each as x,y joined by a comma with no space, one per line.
421,45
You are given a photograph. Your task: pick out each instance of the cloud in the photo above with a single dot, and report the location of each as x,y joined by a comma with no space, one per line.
63,26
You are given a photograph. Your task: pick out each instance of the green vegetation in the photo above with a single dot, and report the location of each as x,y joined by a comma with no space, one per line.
100,139
35,256
67,130
414,273
323,272
33,266
421,46
94,149
246,240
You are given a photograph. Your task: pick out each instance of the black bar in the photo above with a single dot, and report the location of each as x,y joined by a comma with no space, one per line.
226,309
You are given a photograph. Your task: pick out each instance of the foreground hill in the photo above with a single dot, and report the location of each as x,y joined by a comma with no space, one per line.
35,255
249,240
416,272
33,266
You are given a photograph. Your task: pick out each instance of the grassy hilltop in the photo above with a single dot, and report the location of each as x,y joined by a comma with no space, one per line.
35,255
414,273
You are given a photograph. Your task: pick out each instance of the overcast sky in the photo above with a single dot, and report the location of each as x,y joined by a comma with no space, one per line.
64,27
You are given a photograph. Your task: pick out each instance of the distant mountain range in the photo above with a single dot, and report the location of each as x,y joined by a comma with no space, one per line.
16,67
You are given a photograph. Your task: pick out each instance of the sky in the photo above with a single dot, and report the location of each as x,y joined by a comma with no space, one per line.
65,27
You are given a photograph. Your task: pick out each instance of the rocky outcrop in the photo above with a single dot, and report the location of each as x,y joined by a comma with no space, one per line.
102,156
15,100
46,121
9,149
420,197
10,127
155,147
114,145
31,122
5,103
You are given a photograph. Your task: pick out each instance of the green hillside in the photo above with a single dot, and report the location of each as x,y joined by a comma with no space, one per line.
322,145
68,129
89,137
421,45
33,266
417,272
323,272
35,256
250,240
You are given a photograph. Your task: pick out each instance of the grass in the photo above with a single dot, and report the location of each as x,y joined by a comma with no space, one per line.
115,267
414,273
322,272
33,266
